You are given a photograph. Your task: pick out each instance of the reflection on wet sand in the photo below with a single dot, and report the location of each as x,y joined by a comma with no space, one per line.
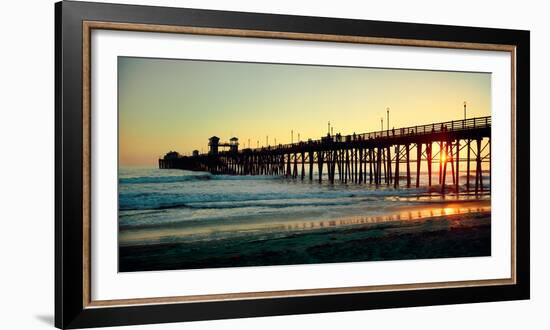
220,231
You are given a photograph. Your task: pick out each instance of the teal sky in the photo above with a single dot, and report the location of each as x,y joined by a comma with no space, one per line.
178,104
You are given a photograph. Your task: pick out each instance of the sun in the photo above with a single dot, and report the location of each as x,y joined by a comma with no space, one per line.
443,157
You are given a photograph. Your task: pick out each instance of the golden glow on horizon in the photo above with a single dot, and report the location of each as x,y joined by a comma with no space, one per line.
178,104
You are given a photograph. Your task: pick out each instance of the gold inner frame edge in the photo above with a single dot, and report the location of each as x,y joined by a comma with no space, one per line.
88,26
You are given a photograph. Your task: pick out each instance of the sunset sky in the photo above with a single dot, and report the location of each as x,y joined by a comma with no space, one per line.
177,105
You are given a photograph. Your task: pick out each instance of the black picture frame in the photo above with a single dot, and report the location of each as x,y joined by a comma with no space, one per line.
70,309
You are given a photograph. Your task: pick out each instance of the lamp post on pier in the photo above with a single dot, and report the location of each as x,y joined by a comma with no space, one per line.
388,117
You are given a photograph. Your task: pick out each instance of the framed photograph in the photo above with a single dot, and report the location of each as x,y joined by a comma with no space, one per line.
216,164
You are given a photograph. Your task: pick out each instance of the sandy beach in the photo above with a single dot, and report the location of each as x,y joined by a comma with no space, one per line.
443,236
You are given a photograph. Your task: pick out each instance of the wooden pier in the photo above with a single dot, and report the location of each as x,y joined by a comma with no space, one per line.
378,158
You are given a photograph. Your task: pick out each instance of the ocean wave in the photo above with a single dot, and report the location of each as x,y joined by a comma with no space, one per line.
247,177
157,190
279,204
161,200
164,179
197,177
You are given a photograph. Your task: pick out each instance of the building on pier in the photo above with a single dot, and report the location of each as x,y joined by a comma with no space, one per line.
213,144
234,144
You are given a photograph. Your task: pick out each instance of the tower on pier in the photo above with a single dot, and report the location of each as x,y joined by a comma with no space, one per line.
234,144
213,143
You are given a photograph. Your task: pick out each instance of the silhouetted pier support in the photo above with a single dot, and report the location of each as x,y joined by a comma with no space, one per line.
429,159
407,157
397,161
444,164
457,182
479,174
418,163
468,165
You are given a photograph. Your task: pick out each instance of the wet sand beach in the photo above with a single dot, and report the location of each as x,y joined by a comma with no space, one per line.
443,236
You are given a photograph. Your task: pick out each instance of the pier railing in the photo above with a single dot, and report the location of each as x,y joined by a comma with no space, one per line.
418,130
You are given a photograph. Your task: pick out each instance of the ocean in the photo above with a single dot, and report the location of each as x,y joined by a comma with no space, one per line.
161,207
